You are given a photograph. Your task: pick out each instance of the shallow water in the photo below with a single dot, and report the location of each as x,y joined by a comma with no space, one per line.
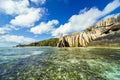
48,63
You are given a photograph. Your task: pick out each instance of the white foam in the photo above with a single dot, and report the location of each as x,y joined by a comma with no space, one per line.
37,52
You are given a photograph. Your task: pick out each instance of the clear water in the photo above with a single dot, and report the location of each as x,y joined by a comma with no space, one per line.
48,63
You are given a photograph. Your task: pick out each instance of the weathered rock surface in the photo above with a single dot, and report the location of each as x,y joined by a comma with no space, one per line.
112,39
101,29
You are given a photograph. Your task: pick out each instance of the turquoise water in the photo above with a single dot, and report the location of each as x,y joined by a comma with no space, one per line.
49,63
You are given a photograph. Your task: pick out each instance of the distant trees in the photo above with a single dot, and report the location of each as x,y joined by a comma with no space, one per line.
50,42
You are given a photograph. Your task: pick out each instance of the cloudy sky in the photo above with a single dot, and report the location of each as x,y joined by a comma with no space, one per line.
25,21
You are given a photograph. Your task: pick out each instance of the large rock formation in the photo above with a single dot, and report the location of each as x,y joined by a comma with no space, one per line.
111,39
98,30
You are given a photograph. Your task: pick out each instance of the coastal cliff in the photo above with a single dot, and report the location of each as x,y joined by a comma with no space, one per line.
105,29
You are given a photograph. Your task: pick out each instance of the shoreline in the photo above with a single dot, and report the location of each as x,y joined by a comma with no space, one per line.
111,47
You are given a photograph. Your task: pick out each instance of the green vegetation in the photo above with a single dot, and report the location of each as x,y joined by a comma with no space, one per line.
49,42
89,29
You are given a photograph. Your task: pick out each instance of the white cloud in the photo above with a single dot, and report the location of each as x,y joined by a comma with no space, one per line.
109,16
25,16
44,27
14,39
78,22
5,29
83,10
111,6
13,7
85,19
39,1
27,20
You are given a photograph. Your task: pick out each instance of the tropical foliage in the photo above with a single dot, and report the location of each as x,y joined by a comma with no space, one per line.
49,42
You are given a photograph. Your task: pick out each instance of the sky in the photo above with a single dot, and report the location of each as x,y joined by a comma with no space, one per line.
26,21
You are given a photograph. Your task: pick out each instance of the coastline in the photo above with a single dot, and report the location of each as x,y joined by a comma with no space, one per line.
111,47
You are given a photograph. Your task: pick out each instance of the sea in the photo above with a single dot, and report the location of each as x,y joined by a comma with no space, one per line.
53,63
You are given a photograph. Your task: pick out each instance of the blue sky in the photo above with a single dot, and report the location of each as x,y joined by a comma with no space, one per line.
25,21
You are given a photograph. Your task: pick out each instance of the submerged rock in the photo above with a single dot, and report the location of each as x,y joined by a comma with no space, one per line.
100,29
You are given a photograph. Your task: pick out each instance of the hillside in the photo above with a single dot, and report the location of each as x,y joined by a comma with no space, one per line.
50,42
